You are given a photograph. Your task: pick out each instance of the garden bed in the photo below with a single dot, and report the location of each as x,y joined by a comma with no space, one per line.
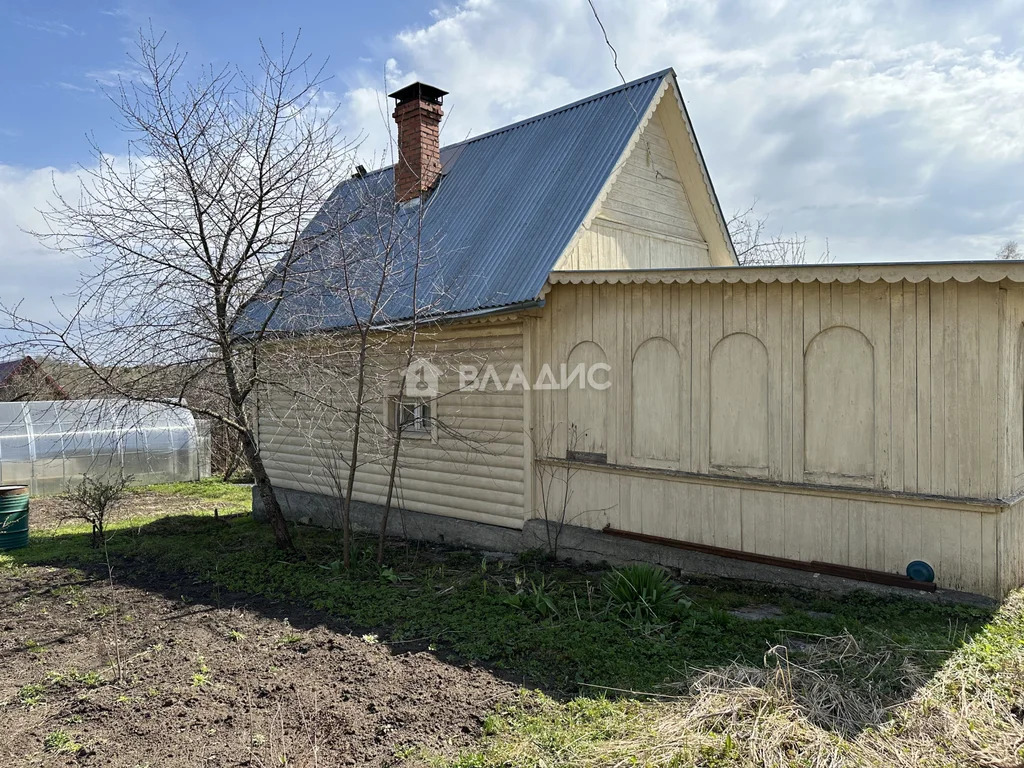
209,646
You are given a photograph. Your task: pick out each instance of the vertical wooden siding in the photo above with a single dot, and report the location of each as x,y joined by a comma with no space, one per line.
971,549
934,348
915,407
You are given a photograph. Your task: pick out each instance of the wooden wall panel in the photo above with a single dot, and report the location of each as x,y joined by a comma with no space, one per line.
645,220
917,366
971,549
839,406
937,380
739,404
475,467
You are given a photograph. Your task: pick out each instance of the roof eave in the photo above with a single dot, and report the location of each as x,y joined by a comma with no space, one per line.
889,272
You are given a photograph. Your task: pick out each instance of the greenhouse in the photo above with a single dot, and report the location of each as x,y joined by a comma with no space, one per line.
46,445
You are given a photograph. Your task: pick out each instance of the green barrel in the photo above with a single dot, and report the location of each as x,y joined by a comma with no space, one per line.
13,516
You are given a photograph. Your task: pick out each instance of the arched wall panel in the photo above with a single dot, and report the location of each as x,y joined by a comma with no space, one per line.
739,403
839,404
587,405
655,383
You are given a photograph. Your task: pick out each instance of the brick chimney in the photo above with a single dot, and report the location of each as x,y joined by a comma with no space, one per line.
418,115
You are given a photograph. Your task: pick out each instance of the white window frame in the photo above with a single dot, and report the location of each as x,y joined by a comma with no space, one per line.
424,424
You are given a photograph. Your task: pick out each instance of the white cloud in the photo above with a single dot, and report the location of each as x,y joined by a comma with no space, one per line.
881,125
893,129
35,275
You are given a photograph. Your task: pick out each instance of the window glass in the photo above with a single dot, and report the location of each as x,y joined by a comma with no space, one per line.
412,415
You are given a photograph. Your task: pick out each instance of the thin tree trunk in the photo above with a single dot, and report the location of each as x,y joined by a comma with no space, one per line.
271,506
232,463
383,533
346,509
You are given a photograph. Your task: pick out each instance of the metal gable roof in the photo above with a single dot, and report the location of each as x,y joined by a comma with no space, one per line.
506,207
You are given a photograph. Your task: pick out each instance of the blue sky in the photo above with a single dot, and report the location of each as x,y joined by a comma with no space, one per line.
65,53
893,129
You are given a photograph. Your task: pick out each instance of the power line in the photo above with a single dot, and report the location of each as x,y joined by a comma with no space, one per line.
615,63
615,54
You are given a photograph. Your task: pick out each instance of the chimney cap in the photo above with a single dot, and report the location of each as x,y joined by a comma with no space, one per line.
418,91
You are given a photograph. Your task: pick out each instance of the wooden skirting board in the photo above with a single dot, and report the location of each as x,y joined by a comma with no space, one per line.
985,505
844,571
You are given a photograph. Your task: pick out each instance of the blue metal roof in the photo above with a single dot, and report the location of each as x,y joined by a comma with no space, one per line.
506,207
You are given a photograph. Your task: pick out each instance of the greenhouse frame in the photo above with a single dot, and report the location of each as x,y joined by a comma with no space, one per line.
48,445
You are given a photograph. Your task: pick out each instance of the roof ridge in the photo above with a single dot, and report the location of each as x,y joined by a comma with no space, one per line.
543,115
565,107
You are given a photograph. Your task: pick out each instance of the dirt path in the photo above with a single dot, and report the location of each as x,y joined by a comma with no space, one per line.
208,685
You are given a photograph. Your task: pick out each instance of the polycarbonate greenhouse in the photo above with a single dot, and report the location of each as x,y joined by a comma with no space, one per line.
45,445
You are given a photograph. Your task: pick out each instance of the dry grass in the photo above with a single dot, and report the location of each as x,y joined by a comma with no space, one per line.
822,702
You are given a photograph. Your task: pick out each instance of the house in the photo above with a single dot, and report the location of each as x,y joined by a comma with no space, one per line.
25,379
590,327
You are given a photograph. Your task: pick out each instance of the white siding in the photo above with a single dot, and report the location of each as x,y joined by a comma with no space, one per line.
647,195
473,470
645,220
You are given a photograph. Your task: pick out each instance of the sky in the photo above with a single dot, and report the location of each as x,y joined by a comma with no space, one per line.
889,130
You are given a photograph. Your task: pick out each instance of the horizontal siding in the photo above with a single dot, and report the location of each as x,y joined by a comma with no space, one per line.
612,246
647,194
473,470
645,221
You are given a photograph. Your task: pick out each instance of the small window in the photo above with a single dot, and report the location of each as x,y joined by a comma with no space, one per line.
411,416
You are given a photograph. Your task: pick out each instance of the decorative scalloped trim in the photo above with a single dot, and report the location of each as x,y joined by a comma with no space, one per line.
722,226
961,272
598,203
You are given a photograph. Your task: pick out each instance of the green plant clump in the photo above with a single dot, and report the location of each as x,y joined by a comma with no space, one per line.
642,594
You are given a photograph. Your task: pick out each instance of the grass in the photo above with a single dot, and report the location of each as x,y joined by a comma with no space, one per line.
784,712
231,497
61,742
560,635
832,680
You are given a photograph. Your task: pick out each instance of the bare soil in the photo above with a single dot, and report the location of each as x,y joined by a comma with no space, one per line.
168,674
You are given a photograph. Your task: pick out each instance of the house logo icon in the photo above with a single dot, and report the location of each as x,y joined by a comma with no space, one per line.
421,379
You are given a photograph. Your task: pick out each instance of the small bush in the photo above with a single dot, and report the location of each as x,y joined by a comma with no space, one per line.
93,499
642,594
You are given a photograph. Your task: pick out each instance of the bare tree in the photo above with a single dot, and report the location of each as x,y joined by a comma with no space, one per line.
554,481
756,245
1009,251
191,232
360,285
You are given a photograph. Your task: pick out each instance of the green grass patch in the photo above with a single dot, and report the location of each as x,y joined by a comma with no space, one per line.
61,742
548,623
820,709
859,679
211,490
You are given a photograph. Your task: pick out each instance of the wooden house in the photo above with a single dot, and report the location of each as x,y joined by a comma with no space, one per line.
851,419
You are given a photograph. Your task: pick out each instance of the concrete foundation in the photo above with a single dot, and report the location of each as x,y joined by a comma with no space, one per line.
578,545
